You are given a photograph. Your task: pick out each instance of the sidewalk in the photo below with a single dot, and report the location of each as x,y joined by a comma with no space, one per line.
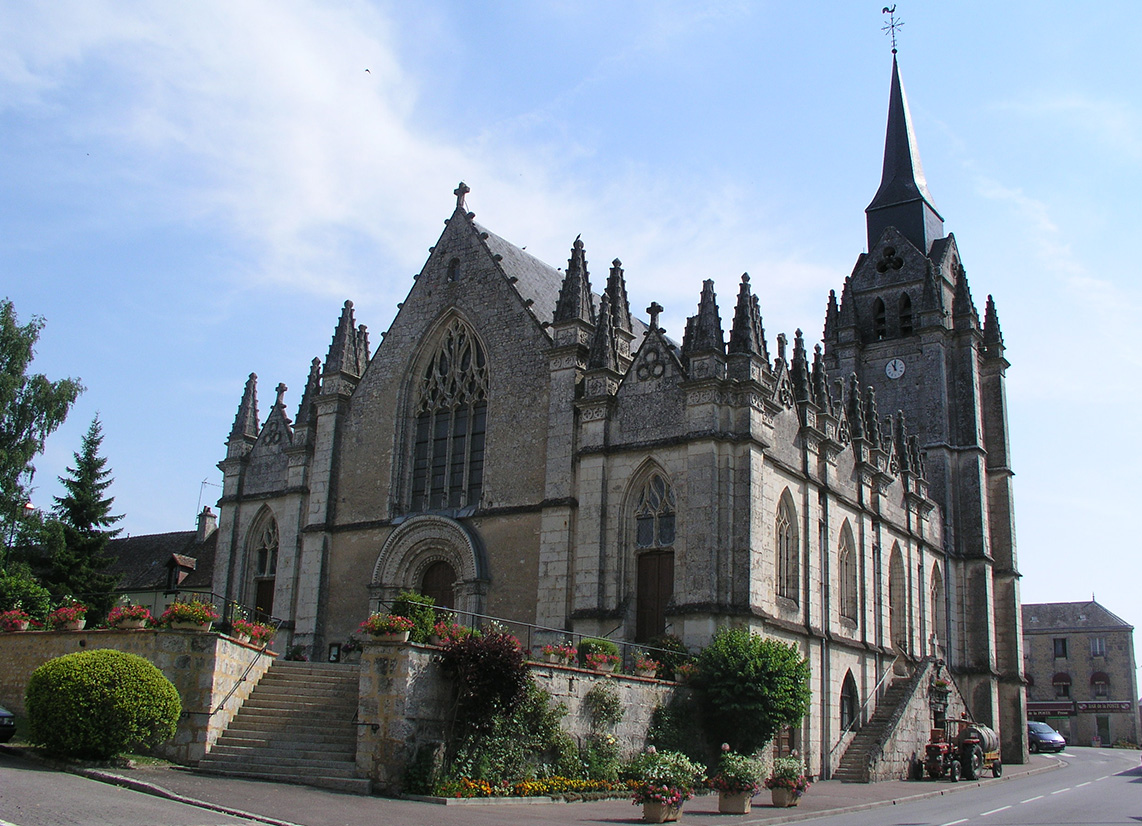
286,805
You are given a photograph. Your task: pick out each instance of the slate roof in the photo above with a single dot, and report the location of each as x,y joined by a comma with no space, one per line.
142,560
1045,617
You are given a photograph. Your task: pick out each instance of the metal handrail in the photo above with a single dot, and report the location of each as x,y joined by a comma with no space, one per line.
859,716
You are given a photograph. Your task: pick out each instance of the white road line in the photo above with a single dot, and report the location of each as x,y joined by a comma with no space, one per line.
1101,778
1031,799
993,811
954,822
1080,785
6,823
1060,791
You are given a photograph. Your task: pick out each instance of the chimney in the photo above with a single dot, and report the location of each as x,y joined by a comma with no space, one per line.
207,524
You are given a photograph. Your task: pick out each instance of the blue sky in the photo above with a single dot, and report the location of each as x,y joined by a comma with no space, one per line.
190,191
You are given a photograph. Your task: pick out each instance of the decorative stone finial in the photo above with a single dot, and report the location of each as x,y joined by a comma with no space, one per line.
281,390
460,192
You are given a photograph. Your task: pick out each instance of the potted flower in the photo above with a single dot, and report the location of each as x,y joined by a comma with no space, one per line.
737,780
68,617
15,620
387,627
257,633
446,631
560,653
787,781
129,617
351,650
644,665
687,671
189,616
662,782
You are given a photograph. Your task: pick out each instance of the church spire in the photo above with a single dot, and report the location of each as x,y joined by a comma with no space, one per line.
246,422
575,295
903,200
604,353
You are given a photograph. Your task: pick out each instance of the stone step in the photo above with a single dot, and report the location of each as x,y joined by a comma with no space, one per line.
288,689
350,785
325,708
275,729
336,744
265,758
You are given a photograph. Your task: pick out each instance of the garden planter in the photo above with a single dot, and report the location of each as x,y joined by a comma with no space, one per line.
735,804
646,672
74,625
783,798
130,624
242,638
185,625
392,639
655,812
606,668
19,625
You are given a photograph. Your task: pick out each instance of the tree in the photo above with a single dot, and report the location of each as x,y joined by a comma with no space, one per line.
751,687
84,512
31,408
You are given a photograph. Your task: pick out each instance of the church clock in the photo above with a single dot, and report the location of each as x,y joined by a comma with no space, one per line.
894,369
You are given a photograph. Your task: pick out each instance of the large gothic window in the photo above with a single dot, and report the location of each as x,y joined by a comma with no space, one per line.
451,418
788,567
847,572
264,553
937,612
897,601
654,517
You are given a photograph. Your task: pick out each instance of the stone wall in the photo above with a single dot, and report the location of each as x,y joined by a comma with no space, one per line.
213,673
405,702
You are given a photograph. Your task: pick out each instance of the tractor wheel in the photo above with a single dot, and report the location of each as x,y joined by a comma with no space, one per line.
935,769
997,769
955,771
973,765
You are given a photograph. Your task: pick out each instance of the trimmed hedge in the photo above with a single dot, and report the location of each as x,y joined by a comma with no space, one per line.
99,704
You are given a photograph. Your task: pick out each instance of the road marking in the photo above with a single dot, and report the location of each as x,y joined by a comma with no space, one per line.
1032,799
1101,778
954,822
993,811
1080,785
6,823
1060,791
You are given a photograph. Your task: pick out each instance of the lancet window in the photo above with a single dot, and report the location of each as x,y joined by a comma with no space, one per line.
654,532
847,570
788,568
451,420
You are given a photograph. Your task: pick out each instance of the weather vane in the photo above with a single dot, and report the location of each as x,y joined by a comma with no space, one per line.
893,24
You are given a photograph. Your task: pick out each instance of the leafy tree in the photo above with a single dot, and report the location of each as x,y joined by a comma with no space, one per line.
751,687
31,408
84,512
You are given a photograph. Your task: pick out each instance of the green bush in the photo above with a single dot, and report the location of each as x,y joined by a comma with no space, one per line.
596,645
19,589
99,704
418,608
751,686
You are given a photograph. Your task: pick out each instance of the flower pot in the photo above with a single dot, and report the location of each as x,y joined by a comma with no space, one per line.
19,625
554,659
393,638
242,638
655,812
74,625
646,672
130,624
436,639
606,668
783,798
189,625
734,804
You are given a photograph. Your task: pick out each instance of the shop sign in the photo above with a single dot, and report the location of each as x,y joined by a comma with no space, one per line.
1106,705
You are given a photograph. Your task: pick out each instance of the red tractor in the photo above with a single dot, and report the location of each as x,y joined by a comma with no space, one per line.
974,748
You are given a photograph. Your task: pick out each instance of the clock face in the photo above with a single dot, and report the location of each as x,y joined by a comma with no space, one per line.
894,369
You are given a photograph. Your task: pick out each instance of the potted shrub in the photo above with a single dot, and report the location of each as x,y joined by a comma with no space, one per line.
387,627
68,618
787,781
644,665
599,661
189,616
662,782
257,633
561,653
129,617
595,652
737,780
15,620
446,631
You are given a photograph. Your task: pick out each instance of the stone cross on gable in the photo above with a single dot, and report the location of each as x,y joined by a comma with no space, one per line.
460,192
281,389
654,309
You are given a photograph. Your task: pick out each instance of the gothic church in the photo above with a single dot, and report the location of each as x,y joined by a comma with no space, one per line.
521,446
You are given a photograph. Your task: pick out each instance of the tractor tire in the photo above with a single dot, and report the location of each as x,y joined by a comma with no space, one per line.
955,771
997,769
935,770
973,764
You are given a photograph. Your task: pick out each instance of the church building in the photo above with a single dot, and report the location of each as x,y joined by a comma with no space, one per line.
520,445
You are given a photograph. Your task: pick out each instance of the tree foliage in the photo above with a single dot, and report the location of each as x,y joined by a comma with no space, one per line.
751,687
31,408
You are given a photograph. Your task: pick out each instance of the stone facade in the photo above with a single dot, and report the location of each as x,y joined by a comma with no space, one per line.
213,674
521,446
1081,676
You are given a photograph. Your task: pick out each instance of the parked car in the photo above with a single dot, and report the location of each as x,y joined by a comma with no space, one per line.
1041,737
7,725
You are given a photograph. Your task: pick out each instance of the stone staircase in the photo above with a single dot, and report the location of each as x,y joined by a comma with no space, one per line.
298,726
854,765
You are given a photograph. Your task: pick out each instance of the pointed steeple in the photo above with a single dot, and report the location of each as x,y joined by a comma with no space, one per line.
831,313
855,412
747,334
799,370
306,411
575,295
246,422
345,355
964,313
617,293
903,200
704,330
604,354
992,335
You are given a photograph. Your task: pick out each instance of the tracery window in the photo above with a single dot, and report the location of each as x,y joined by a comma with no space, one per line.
788,568
897,600
847,569
264,542
654,514
451,419
654,531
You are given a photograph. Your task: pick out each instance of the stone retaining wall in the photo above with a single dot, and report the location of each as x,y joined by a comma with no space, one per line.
204,667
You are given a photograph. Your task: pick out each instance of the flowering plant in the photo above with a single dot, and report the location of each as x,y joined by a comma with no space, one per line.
193,611
644,662
666,777
564,651
737,774
121,613
687,671
378,624
258,632
788,773
449,631
599,660
65,614
14,620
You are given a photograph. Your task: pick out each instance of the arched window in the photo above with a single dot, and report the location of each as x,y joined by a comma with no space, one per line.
454,269
788,561
654,522
905,315
263,545
451,418
850,701
879,320
897,600
937,610
439,582
847,573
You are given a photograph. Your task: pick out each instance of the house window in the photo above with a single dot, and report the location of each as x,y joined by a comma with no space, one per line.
1098,646
788,569
451,419
1062,683
654,524
846,563
1060,648
1100,684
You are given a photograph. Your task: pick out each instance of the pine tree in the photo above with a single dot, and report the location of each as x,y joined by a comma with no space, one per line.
78,567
